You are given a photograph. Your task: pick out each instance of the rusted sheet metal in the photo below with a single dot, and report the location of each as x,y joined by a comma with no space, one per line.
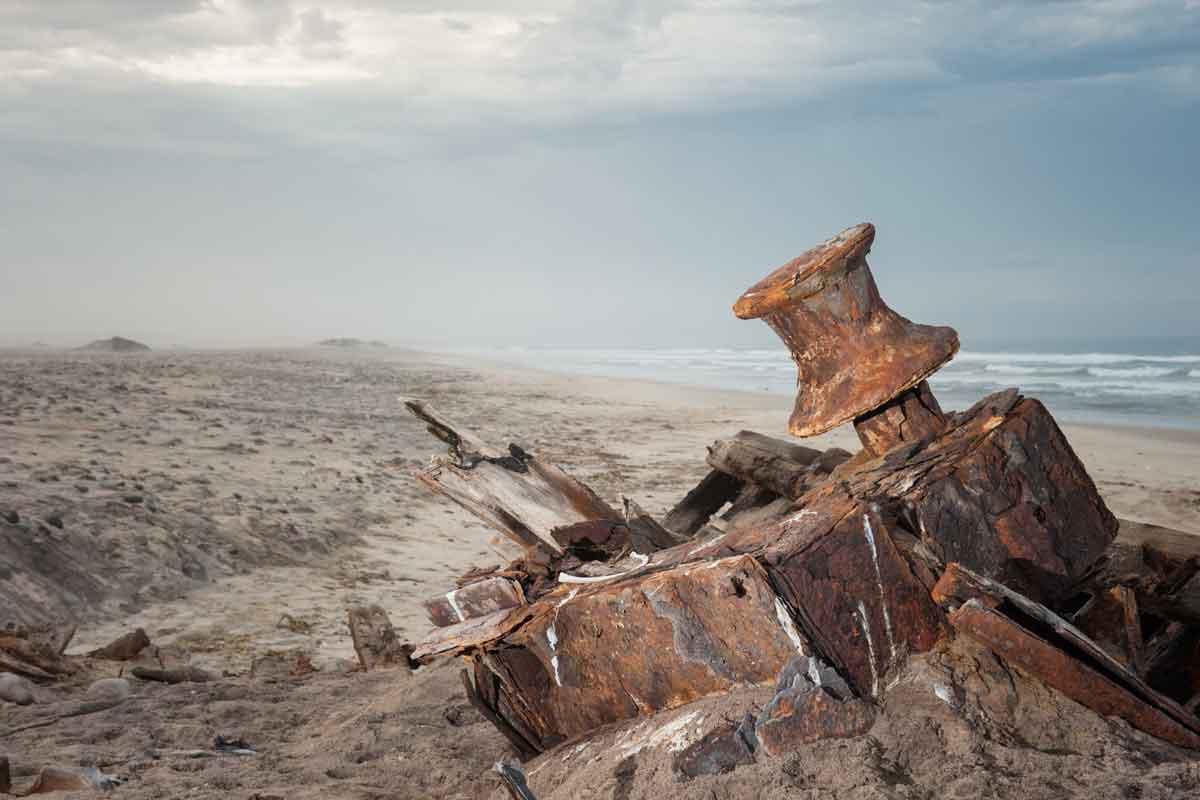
473,633
852,352
1052,624
614,652
474,600
1001,492
855,595
1067,674
910,416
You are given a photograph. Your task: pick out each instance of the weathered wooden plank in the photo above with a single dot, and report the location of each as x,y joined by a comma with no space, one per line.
518,494
782,467
1071,676
707,498
474,600
471,634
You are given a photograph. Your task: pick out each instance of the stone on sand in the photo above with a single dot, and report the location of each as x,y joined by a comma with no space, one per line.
112,690
15,689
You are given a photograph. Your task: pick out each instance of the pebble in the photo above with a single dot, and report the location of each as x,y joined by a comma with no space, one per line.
112,689
15,689
11,517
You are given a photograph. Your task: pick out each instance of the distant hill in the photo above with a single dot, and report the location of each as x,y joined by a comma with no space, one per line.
116,344
350,344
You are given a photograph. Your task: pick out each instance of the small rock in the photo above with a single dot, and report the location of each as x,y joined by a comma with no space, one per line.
56,520
11,517
15,689
133,499
110,689
720,751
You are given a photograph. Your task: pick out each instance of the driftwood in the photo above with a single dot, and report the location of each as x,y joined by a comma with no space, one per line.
518,494
375,640
710,495
782,467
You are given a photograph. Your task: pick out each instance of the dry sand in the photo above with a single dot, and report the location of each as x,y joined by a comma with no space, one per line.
235,504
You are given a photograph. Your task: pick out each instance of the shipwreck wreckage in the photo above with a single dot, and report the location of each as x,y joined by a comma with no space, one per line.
816,572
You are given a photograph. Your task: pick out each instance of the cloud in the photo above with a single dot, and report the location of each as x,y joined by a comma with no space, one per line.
423,65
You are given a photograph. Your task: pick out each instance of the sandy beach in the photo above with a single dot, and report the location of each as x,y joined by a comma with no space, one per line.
235,504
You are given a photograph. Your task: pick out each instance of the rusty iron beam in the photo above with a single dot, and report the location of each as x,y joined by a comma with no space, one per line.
1069,675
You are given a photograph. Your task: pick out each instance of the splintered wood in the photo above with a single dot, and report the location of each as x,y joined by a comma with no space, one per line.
982,523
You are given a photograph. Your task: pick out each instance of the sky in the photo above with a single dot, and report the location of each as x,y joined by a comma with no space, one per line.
220,173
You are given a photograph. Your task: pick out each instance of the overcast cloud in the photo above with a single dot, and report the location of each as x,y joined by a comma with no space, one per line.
225,171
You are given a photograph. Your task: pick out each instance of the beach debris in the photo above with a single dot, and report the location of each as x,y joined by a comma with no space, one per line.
37,652
181,674
710,495
521,496
234,745
124,648
375,640
474,600
57,779
512,777
824,573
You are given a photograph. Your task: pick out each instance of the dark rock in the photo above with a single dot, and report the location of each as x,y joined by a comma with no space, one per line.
721,750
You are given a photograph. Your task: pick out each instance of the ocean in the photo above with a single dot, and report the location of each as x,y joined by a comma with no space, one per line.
1139,382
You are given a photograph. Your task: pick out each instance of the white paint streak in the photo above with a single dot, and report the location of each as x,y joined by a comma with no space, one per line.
944,694
808,512
452,599
566,577
887,617
789,626
862,615
552,637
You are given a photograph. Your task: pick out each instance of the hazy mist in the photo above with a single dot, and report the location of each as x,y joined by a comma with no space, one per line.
229,173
